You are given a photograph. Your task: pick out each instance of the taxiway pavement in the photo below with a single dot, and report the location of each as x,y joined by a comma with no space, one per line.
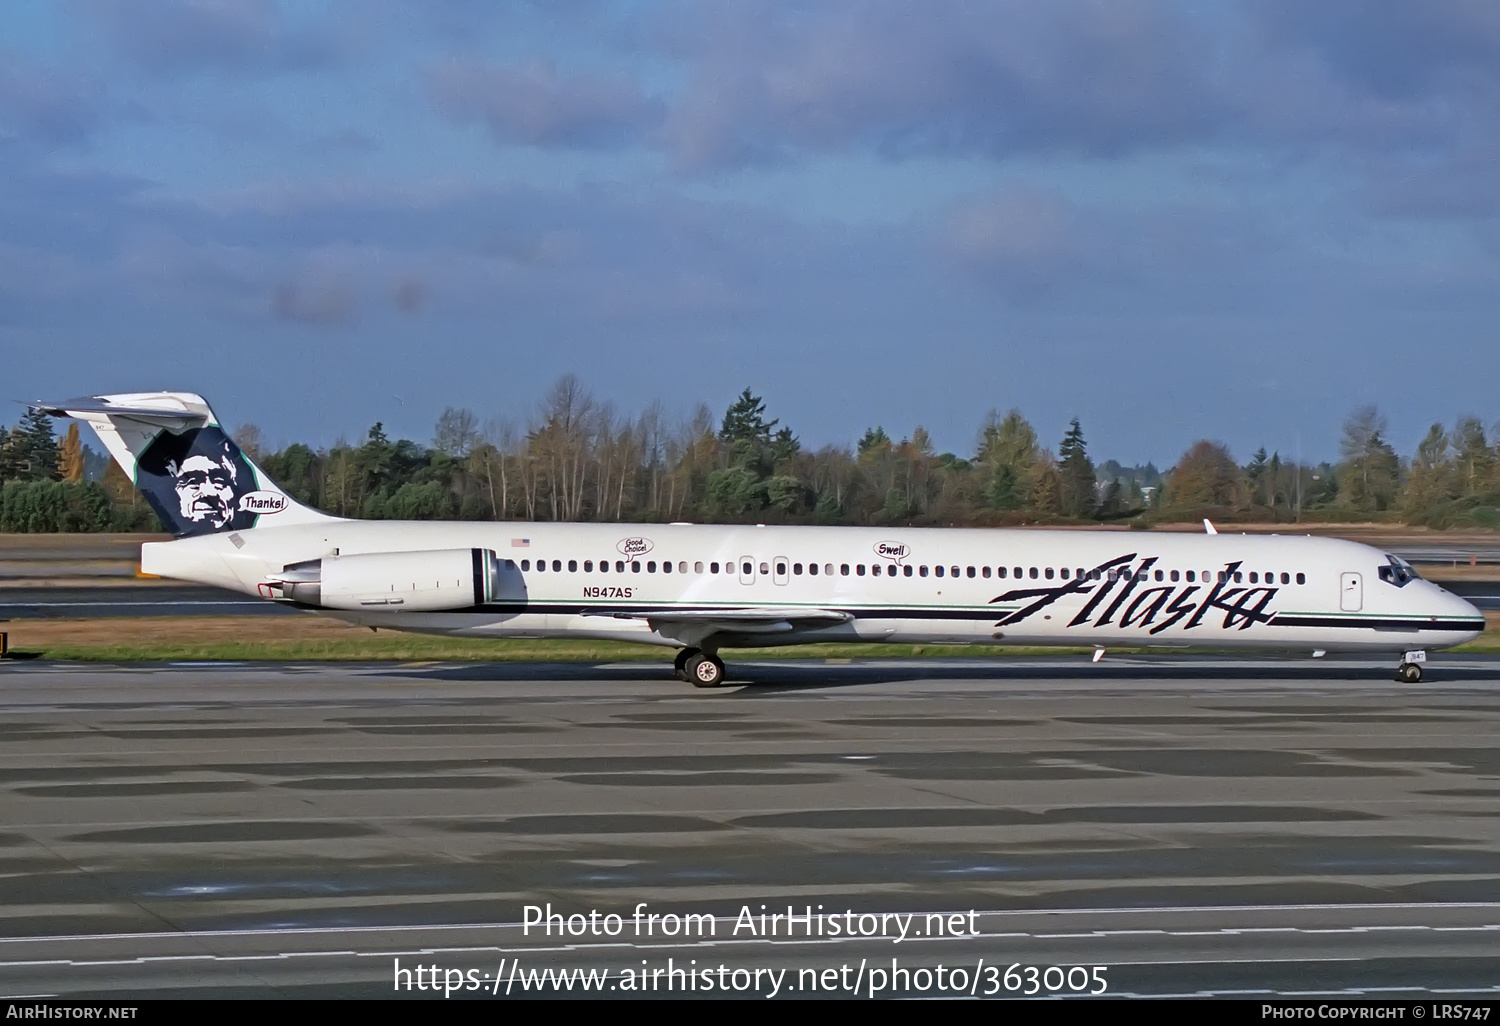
1237,828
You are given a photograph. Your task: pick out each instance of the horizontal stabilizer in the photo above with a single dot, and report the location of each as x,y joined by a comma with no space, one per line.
170,413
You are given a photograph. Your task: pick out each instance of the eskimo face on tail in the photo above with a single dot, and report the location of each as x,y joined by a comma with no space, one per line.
196,481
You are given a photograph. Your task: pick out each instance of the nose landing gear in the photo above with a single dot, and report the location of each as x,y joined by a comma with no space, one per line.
698,668
1410,670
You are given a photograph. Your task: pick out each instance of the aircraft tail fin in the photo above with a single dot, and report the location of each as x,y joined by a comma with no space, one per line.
192,474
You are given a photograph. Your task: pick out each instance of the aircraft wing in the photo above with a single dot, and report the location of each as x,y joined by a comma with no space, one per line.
757,620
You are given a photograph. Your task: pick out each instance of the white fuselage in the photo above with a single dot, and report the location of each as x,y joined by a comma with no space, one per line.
1027,587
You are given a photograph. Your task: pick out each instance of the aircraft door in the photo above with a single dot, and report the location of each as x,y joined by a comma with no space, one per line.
779,565
1351,593
747,569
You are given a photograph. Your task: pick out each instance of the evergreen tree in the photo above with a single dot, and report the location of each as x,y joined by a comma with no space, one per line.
29,452
827,510
784,447
746,434
785,494
1079,495
874,442
10,448
745,486
1432,479
1008,447
42,445
1256,475
1474,458
735,492
296,469
1370,474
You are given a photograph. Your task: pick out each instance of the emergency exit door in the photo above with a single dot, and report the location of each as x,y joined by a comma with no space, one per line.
1351,593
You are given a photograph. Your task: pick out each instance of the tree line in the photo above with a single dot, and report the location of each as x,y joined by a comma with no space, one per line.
578,459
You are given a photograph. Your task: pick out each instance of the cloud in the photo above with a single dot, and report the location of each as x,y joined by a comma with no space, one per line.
1462,183
195,35
1021,224
1035,246
1026,241
322,303
409,295
1408,95
42,105
536,106
1093,79
1394,50
939,77
334,253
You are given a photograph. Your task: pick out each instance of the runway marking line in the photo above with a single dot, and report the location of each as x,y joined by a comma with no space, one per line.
726,942
1143,910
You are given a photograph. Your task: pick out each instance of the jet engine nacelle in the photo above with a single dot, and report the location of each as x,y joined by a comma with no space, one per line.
421,582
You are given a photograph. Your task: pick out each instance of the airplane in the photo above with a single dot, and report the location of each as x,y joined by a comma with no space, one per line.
704,588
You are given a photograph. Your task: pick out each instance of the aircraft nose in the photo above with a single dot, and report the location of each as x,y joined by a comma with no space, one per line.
1458,608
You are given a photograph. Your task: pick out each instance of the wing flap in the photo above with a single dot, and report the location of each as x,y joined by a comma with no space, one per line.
738,615
755,620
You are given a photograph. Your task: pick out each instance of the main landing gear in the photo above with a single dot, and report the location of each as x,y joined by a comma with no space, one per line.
699,668
1410,670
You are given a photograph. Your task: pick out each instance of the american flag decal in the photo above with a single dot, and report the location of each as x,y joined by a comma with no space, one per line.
520,543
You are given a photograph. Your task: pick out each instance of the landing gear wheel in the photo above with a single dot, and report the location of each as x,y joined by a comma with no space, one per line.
1409,673
680,663
704,671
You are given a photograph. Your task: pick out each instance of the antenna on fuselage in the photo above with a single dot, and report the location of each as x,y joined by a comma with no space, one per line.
1208,526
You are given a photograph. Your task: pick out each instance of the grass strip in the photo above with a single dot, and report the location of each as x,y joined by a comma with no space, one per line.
307,638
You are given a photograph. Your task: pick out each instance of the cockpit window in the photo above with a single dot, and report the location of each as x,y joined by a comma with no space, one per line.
1398,572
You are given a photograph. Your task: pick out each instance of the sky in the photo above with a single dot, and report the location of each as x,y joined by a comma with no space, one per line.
1171,220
